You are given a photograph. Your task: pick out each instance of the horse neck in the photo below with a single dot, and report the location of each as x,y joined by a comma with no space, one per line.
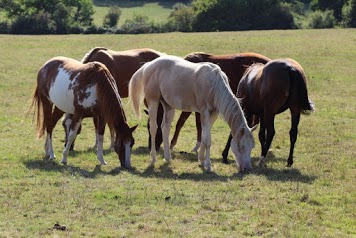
110,102
229,107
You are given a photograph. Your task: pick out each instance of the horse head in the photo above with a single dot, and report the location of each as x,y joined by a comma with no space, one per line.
241,145
123,144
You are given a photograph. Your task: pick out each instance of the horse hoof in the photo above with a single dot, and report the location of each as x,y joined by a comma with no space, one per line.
103,163
225,161
64,162
167,161
208,170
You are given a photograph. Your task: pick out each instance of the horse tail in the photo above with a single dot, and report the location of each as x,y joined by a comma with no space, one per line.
37,106
93,51
300,87
136,90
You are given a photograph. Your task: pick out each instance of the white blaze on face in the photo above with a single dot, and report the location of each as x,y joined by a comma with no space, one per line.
60,92
127,155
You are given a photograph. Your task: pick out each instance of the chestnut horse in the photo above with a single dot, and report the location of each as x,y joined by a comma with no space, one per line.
266,90
234,66
65,85
180,84
121,64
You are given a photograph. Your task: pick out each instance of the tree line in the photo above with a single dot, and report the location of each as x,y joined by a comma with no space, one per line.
76,16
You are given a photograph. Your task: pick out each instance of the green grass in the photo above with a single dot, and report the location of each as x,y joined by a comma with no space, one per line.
154,10
314,198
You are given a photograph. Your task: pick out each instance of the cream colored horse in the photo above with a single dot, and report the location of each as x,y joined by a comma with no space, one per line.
204,88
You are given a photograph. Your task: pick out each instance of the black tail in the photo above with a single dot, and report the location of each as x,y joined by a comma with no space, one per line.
300,87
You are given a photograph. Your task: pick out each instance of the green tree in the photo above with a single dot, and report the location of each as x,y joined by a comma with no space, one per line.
231,15
333,5
352,22
181,18
112,18
52,16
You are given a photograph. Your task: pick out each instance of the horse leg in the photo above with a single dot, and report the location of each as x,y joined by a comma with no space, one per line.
47,121
113,137
159,137
198,125
266,135
182,119
207,121
153,108
166,126
293,133
72,134
67,121
226,150
100,129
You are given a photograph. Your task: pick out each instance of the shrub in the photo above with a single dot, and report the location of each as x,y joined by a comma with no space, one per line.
112,18
181,18
320,20
4,27
139,24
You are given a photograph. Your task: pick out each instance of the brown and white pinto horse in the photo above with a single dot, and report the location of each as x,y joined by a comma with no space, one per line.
234,66
266,90
180,84
122,65
65,85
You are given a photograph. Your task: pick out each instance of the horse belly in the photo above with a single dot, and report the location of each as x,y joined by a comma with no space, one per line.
183,103
61,93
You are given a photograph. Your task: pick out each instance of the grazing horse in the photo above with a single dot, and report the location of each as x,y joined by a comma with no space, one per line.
83,90
266,90
122,65
204,88
234,66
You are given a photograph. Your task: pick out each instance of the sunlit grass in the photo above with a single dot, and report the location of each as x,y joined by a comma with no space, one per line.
314,198
155,11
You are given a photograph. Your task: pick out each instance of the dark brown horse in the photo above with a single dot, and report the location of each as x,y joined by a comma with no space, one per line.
234,66
65,85
266,90
121,64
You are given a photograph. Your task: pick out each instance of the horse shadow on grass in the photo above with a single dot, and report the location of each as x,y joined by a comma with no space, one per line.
47,165
165,171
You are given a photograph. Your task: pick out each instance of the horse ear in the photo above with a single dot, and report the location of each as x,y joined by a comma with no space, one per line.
254,128
133,128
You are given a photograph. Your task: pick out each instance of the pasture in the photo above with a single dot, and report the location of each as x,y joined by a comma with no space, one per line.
314,198
156,11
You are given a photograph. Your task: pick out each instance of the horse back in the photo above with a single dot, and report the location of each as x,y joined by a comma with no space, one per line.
234,65
123,64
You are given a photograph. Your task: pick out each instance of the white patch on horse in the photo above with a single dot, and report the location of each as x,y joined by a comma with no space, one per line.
61,92
90,100
127,155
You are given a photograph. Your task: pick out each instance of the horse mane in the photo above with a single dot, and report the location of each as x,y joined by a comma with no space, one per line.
108,95
225,101
197,57
93,51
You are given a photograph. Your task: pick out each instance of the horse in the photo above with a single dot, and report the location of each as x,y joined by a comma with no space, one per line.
65,85
269,89
234,66
122,65
180,84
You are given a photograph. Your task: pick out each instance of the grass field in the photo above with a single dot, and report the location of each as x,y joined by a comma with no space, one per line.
314,198
156,11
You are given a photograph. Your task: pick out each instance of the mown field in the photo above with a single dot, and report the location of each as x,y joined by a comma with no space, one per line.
156,11
314,198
